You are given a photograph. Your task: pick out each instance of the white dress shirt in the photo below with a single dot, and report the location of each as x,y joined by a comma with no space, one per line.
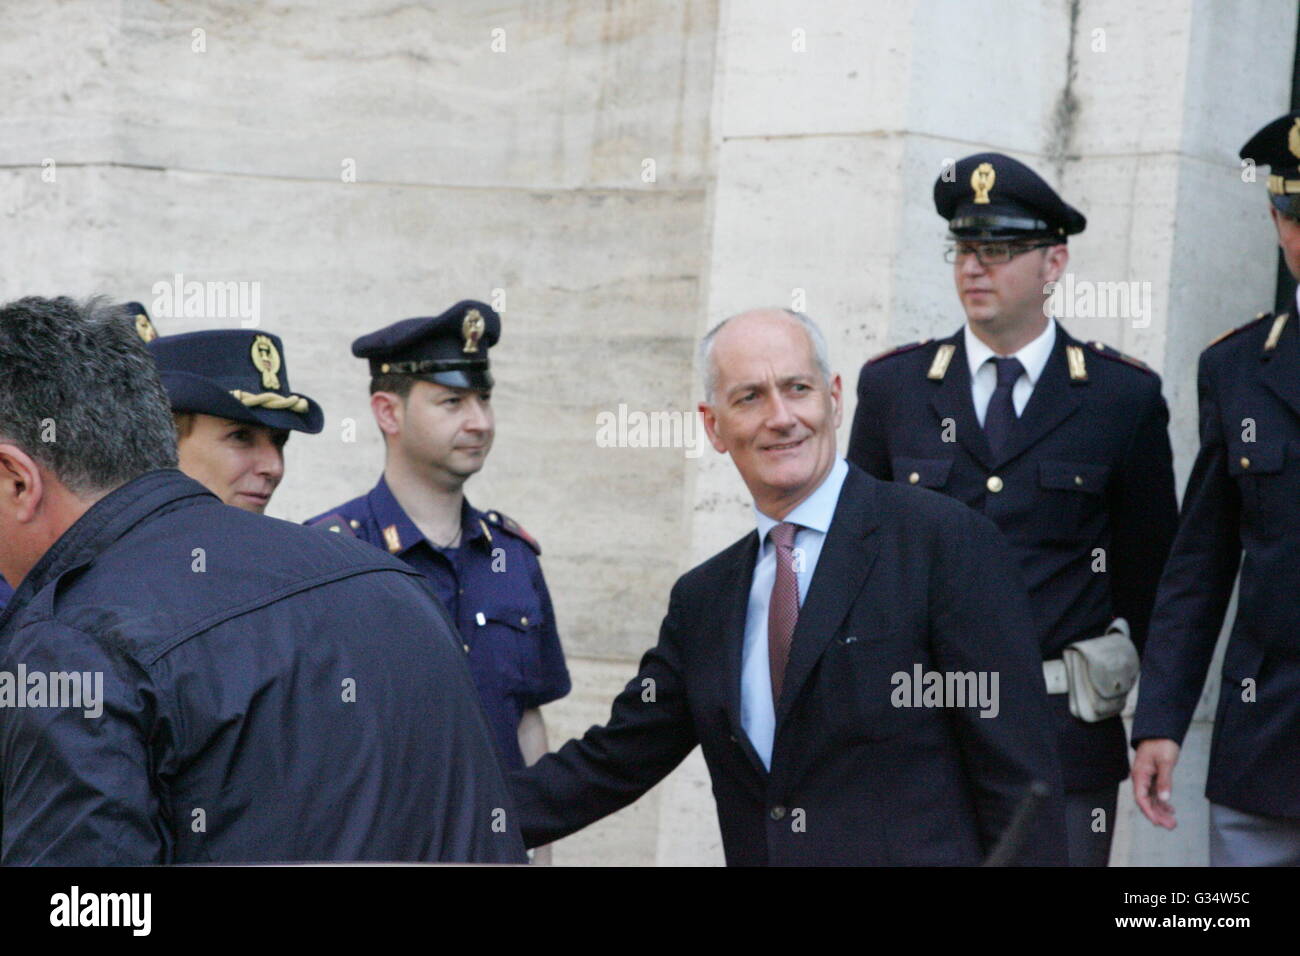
984,373
814,513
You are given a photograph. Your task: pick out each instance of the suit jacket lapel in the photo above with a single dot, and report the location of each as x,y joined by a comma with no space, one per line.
732,615
842,568
1280,368
952,399
1056,396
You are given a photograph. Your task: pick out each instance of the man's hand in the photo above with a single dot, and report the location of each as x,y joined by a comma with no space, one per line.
1153,780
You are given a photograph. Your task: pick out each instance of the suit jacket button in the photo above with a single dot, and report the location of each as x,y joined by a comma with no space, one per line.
913,478
994,484
1245,462
778,813
1078,479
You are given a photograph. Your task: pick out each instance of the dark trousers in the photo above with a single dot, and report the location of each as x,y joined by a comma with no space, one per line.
1088,832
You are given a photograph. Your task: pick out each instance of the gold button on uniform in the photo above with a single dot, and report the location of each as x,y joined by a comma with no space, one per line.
480,618
523,621
1245,462
1078,480
994,484
914,477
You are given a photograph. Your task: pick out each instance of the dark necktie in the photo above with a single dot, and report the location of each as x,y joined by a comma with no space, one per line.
1001,413
783,608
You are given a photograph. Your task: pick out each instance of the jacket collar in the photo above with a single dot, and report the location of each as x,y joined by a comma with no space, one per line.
102,525
389,513
1054,399
1280,366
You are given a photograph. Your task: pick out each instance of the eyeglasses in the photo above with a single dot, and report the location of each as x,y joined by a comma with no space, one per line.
991,253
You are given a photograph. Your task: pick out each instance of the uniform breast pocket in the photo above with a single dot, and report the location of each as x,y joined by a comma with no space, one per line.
926,472
1269,479
507,637
1072,496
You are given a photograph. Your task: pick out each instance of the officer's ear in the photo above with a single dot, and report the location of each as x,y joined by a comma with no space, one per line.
1055,260
389,410
22,487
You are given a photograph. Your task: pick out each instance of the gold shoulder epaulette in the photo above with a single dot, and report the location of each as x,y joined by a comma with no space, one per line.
515,528
899,350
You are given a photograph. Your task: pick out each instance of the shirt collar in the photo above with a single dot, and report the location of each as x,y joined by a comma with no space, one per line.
1033,356
389,513
815,511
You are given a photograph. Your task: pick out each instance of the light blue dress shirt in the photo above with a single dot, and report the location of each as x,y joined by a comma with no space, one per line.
814,513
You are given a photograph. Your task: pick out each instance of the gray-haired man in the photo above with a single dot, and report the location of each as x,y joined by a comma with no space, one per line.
782,655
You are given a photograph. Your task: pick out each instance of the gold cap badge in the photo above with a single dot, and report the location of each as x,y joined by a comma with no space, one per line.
472,329
1293,139
266,359
982,181
144,328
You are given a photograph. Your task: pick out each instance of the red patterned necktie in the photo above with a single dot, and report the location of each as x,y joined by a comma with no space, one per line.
783,608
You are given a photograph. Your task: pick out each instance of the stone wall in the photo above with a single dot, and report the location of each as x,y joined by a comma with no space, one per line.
618,177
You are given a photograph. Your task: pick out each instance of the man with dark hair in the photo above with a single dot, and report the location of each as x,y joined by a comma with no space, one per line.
1242,499
186,682
431,394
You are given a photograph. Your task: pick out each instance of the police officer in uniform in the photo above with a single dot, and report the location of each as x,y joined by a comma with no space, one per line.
1063,443
1243,496
232,405
430,394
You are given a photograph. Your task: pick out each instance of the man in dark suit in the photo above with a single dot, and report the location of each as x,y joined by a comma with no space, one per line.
1243,496
860,671
1063,444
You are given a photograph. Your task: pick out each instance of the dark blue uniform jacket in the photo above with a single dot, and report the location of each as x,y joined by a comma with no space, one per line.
493,588
1241,510
1083,493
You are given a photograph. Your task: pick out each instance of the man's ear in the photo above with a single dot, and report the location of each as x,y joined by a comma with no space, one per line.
21,485
1054,263
711,427
837,399
389,408
1277,218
